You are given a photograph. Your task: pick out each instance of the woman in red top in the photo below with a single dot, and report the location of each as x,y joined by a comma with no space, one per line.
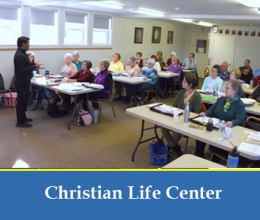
84,75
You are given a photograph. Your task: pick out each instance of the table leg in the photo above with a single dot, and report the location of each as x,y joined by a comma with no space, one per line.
74,110
141,136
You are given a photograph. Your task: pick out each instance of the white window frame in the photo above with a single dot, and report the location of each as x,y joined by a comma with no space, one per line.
76,26
10,28
107,31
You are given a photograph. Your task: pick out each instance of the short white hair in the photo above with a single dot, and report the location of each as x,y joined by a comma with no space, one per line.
173,53
68,55
29,52
75,53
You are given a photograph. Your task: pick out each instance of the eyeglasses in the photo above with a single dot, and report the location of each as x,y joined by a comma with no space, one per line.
184,82
227,88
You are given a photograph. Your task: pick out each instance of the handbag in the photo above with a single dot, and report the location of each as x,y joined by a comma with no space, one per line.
158,153
84,118
8,102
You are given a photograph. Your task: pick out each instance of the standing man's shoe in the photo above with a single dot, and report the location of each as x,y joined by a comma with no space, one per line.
23,125
39,106
28,120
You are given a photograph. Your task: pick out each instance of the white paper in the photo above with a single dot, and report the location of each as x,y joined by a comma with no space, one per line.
168,109
250,148
206,119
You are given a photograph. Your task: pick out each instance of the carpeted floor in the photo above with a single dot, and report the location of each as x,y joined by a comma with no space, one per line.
49,144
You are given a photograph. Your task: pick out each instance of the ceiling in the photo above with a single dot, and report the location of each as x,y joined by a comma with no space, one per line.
217,12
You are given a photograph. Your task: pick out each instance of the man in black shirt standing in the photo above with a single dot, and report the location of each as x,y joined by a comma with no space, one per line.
23,74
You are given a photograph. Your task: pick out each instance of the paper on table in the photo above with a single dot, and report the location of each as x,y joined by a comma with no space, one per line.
251,148
70,87
168,109
206,119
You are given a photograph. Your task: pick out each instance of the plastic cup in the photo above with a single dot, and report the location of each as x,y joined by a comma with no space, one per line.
175,115
228,132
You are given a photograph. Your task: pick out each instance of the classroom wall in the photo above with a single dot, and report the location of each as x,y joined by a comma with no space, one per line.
245,47
122,42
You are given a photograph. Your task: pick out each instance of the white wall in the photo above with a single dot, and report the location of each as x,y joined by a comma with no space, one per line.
245,47
122,42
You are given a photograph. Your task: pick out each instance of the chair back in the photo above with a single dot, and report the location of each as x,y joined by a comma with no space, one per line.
203,107
2,84
12,85
252,123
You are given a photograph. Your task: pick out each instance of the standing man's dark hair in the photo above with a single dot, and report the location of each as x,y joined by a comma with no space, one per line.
23,70
22,40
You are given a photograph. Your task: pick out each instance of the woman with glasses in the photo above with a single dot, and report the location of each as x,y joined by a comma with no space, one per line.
235,74
229,108
187,94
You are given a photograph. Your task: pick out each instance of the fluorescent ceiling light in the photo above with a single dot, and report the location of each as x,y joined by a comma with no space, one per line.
104,4
201,23
250,3
147,12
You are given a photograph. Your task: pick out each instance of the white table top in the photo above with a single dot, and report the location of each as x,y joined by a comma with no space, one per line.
131,80
168,74
237,135
192,161
74,88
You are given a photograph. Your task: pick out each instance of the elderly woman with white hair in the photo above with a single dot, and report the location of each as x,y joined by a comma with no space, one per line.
76,60
151,73
169,61
67,70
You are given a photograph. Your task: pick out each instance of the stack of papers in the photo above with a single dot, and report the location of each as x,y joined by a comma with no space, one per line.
249,148
254,138
167,109
205,119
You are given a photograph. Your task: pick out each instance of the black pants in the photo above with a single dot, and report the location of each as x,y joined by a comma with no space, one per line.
92,95
23,95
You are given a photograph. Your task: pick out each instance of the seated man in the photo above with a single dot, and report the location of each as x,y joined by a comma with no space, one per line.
151,73
246,75
224,74
246,64
190,63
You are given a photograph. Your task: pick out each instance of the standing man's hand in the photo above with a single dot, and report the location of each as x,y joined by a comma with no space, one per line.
39,65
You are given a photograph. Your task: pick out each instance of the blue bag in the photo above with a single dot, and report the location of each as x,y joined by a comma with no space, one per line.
158,153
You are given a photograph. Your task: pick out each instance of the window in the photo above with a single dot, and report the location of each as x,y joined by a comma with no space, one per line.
10,25
102,30
43,27
75,29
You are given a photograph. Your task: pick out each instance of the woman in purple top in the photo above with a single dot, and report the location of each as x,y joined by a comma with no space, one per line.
175,67
104,78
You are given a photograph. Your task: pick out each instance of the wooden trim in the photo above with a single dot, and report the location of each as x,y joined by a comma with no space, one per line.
63,48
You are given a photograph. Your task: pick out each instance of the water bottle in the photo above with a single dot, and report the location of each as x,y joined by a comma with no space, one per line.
187,112
47,73
95,118
221,130
215,89
233,158
252,83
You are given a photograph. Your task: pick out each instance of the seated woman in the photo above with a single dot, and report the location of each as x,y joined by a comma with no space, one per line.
69,69
139,60
160,59
84,75
76,60
169,61
235,74
187,94
157,65
150,73
229,108
117,66
134,70
104,78
34,88
175,67
213,83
